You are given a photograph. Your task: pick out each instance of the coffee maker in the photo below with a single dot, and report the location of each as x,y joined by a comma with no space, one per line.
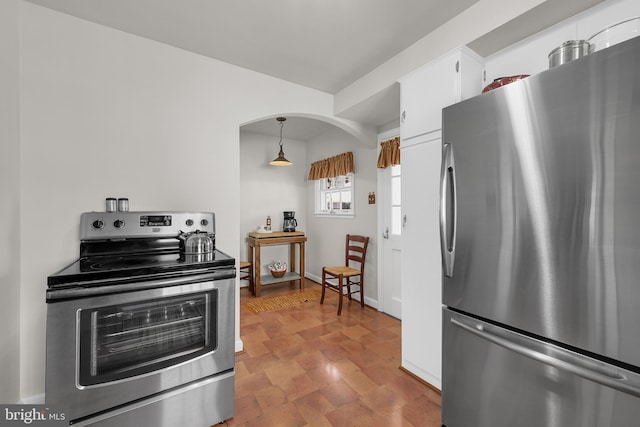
289,223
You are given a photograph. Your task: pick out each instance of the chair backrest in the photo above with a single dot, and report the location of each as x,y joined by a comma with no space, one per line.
356,250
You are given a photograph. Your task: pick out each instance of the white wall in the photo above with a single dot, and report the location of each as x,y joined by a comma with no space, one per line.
270,190
326,236
105,113
10,201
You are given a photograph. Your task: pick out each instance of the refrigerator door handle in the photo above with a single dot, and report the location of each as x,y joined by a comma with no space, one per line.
448,210
557,357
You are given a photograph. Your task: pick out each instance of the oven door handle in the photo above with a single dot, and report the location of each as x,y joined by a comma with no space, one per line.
103,287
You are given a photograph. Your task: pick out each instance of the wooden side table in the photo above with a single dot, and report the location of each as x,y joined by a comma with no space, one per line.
257,240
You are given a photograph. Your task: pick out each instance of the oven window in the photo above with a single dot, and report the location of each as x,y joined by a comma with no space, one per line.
121,341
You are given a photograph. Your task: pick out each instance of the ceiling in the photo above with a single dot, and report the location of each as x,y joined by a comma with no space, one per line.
322,44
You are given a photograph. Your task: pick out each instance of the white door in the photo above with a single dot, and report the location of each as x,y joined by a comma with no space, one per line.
391,224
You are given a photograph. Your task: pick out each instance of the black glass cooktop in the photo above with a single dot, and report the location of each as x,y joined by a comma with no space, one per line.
92,270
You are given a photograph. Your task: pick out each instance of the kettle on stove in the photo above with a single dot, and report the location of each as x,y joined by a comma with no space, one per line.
196,243
289,223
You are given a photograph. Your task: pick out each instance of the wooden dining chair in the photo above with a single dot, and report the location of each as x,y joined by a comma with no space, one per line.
343,277
246,273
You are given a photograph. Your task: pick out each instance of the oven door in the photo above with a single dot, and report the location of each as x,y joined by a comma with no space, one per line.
124,340
107,350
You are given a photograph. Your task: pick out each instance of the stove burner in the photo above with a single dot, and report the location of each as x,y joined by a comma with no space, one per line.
195,258
118,263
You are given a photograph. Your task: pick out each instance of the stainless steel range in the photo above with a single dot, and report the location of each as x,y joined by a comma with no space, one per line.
140,329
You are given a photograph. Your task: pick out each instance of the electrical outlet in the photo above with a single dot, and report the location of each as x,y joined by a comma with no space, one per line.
372,198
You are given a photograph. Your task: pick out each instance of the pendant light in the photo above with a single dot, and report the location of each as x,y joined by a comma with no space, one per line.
281,160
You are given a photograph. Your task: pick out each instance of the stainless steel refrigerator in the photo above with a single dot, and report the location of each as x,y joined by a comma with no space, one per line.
540,233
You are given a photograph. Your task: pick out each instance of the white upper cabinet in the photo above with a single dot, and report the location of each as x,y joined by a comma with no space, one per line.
426,91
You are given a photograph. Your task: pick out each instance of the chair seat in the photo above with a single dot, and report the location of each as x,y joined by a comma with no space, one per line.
341,269
244,264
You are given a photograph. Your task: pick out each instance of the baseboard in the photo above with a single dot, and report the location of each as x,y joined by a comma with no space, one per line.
428,384
371,302
313,277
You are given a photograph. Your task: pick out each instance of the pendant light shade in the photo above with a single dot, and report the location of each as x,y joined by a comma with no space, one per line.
280,160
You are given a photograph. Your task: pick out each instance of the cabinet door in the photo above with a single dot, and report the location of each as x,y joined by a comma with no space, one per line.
421,262
424,93
470,81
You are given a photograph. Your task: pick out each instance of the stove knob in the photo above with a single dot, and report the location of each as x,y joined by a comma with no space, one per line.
118,223
204,222
98,224
189,222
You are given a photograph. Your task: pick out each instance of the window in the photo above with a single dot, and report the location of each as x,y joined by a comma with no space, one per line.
334,196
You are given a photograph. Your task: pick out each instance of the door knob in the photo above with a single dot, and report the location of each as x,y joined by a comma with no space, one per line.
386,233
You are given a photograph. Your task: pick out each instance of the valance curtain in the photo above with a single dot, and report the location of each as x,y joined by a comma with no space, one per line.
389,153
341,164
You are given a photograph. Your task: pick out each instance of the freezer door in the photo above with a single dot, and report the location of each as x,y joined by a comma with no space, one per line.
493,377
541,204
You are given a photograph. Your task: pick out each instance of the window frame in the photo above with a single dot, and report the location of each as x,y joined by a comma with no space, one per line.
320,193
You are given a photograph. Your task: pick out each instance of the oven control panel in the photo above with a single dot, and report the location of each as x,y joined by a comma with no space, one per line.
158,221
124,225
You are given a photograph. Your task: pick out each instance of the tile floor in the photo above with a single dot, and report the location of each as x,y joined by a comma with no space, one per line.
305,366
